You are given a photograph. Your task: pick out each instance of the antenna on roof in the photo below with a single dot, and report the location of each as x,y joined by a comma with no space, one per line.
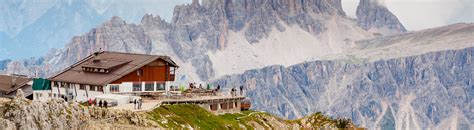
14,81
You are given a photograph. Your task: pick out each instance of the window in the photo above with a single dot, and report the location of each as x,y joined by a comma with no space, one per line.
213,107
63,85
92,88
137,87
149,87
54,95
56,84
160,87
49,94
82,87
100,88
225,106
114,88
172,70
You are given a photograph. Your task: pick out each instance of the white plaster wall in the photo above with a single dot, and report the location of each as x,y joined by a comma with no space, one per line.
44,97
126,87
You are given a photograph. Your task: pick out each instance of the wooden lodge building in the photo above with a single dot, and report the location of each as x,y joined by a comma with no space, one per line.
10,83
120,78
113,73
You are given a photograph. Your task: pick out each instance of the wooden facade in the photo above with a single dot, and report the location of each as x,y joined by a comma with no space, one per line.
158,71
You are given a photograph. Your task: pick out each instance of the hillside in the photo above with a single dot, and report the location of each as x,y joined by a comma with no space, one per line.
428,91
23,114
175,116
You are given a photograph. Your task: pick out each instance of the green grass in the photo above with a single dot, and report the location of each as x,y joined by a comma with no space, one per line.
174,116
182,116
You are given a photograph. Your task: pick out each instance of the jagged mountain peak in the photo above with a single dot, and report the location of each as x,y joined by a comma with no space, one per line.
116,19
150,19
373,15
292,6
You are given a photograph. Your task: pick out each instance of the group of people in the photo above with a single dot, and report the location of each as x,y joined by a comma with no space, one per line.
233,91
137,104
194,86
208,87
100,103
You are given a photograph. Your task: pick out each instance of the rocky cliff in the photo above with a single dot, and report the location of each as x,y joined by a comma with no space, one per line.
372,15
428,91
21,113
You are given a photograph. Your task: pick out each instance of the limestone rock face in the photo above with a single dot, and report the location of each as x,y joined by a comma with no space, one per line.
22,113
416,92
195,30
372,15
202,27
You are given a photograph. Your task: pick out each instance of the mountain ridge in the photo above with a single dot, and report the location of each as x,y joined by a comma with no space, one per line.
372,15
431,90
212,35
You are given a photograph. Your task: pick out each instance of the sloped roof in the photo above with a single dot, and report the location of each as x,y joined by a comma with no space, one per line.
121,63
105,64
10,83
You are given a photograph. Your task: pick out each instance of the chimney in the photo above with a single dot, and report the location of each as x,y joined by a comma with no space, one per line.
13,81
95,59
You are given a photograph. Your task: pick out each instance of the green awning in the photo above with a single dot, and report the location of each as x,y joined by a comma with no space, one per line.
41,84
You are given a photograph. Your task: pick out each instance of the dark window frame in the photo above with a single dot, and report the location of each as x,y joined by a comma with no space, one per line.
114,88
100,88
147,87
92,88
82,87
136,88
160,86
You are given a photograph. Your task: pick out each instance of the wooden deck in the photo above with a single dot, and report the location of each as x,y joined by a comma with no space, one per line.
149,105
203,99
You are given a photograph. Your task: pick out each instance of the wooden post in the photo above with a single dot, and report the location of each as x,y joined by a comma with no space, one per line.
59,92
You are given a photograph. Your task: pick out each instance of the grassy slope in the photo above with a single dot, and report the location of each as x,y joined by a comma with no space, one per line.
176,116
181,116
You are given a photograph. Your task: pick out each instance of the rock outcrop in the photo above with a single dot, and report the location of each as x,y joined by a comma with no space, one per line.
372,15
22,113
428,91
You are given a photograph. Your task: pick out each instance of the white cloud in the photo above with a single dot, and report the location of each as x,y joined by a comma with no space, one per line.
422,14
